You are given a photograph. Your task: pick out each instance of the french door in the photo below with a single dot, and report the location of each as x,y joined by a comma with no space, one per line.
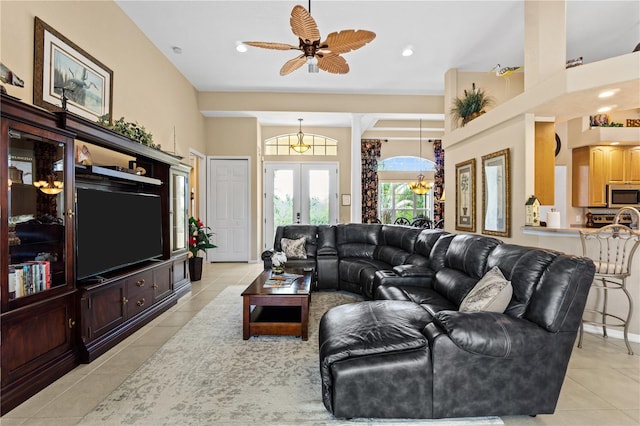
305,193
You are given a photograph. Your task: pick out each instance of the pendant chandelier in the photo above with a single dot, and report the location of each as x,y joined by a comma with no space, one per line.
51,185
420,187
300,146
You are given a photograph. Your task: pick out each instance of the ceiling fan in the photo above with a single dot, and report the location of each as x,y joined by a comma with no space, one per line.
323,55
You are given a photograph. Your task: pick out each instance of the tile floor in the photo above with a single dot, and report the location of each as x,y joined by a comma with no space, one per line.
602,385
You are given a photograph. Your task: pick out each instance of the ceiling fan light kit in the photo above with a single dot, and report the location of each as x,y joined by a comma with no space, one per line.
317,55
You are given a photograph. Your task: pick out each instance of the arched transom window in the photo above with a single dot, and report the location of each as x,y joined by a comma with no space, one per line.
318,145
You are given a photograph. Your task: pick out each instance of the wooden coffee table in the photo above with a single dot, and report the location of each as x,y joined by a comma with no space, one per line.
280,311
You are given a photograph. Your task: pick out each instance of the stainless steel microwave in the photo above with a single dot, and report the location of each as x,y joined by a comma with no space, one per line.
621,195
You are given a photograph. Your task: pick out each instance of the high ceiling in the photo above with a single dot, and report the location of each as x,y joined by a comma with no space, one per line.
468,35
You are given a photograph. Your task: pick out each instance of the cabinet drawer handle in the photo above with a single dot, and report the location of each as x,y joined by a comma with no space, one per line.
125,300
155,285
140,283
71,323
140,302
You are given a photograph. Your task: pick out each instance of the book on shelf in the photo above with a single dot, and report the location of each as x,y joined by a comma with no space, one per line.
29,278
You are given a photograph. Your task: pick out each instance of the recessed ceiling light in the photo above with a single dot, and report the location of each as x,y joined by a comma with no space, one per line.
177,50
408,51
608,93
604,109
615,143
241,47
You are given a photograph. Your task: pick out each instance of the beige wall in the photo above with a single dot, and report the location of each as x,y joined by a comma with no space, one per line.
147,88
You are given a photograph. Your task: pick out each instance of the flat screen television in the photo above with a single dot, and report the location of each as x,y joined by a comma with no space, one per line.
115,229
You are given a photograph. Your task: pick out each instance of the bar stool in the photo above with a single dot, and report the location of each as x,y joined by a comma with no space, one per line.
631,211
611,249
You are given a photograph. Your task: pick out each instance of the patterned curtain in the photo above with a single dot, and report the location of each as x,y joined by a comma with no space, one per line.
438,187
370,152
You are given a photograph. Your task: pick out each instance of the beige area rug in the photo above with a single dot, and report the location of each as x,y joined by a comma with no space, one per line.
207,375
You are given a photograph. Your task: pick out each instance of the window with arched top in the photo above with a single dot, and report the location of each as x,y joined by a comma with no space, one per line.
406,164
318,145
396,201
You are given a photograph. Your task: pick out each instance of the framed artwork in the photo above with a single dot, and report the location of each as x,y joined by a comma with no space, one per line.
67,77
496,194
465,196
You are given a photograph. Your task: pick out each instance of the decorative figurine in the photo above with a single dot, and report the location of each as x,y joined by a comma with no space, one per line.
532,207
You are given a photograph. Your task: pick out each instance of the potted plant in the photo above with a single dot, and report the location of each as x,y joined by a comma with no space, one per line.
471,105
199,235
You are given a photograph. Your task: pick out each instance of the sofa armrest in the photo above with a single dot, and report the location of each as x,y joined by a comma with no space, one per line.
490,333
266,258
413,271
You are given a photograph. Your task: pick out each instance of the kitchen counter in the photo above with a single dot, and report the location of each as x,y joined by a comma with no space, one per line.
573,231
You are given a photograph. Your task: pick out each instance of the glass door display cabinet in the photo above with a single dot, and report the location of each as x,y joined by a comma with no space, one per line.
179,224
37,285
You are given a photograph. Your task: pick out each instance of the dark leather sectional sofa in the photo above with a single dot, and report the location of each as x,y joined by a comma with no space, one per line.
409,353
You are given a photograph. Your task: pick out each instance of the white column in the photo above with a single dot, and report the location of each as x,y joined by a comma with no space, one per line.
356,169
545,40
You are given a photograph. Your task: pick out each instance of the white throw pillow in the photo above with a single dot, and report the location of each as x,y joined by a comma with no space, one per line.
294,249
492,293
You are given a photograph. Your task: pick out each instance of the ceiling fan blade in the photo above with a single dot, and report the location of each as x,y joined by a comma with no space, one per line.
303,25
292,65
347,40
270,45
333,63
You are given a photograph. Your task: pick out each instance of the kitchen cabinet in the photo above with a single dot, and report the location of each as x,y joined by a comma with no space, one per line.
632,164
596,166
545,161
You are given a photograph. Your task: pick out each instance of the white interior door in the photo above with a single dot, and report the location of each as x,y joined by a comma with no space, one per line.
304,193
228,209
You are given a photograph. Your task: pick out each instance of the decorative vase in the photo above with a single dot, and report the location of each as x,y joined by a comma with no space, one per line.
195,268
277,269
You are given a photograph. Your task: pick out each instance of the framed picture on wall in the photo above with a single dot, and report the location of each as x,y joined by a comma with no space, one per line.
67,77
496,194
465,196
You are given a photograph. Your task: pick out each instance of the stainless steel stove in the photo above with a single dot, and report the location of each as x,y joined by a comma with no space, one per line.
598,220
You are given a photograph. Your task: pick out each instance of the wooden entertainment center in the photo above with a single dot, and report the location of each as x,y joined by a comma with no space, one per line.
50,320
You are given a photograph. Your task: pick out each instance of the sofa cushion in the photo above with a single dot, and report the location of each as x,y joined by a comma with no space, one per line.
351,268
400,236
492,293
453,284
492,334
294,232
523,266
357,239
294,249
390,255
468,253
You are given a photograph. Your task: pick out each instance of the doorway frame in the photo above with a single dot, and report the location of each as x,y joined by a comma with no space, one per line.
251,230
334,211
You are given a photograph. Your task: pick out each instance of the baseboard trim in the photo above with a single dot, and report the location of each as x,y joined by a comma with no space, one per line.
613,332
